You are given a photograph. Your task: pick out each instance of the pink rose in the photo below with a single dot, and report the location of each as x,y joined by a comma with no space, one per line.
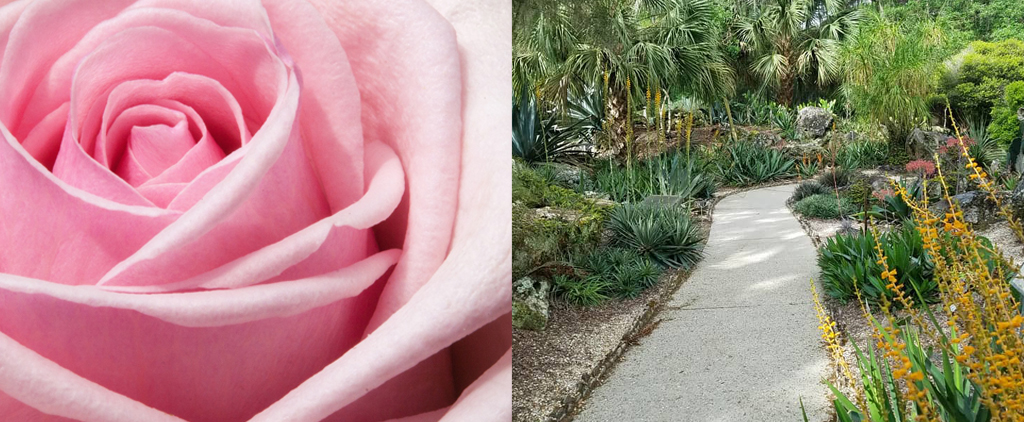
228,210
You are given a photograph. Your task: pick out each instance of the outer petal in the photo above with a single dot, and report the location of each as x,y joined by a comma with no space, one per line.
330,101
405,62
471,287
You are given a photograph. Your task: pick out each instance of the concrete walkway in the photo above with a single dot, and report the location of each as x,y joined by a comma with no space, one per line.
739,340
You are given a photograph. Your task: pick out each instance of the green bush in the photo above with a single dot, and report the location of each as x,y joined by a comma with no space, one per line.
850,262
835,178
859,192
750,163
670,174
864,154
621,272
666,235
537,243
534,188
978,77
824,206
808,188
1005,127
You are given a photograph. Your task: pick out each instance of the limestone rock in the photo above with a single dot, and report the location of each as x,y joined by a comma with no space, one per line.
924,143
813,122
530,304
978,208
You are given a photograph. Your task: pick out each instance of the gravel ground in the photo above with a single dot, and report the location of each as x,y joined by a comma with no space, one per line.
1001,235
548,365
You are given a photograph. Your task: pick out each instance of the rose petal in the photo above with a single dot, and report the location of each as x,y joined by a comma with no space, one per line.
385,190
217,308
471,287
62,23
395,51
484,400
329,102
206,371
237,45
76,168
60,245
49,388
222,198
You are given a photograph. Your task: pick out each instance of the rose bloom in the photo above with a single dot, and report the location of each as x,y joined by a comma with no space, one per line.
284,210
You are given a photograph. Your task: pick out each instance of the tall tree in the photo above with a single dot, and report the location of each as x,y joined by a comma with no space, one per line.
791,39
625,46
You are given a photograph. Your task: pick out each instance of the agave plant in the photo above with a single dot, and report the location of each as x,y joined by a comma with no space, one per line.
685,177
538,140
666,235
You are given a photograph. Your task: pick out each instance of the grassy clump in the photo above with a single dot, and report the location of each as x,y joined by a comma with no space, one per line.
824,205
809,188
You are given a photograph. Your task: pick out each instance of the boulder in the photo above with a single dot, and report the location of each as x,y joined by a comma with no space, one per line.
765,138
978,208
530,304
1015,201
813,122
923,143
560,214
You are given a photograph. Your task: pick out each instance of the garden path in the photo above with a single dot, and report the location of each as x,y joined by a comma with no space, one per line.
739,340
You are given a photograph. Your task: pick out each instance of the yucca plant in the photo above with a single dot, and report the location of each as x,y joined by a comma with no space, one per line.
667,235
809,188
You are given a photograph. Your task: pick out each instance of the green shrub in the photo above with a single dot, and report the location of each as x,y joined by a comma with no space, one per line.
985,69
808,188
666,235
835,178
1004,126
859,193
824,206
535,188
750,163
623,272
580,291
671,174
864,154
538,243
850,262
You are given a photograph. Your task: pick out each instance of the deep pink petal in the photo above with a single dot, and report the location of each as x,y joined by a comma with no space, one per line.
330,117
405,62
485,399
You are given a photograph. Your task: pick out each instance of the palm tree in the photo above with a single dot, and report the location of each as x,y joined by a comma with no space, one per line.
626,47
794,39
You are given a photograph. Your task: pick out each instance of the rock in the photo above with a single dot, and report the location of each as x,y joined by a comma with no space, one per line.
766,138
664,200
813,122
566,175
1015,201
923,143
803,149
530,304
851,137
978,209
548,213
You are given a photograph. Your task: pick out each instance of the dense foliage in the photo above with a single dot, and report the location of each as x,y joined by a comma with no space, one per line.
824,205
667,235
849,263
